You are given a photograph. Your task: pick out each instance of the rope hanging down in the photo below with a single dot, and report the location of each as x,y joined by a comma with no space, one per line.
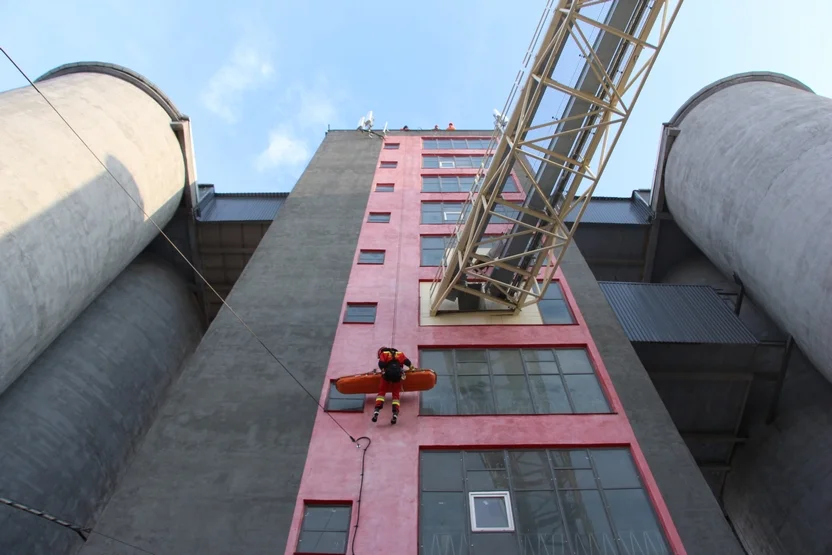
78,529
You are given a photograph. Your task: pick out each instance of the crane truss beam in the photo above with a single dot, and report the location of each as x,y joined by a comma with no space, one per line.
520,265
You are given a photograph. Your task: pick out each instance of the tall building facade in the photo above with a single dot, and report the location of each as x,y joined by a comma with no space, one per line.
523,446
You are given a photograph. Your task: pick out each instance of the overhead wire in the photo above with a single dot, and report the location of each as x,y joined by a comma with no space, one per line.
211,287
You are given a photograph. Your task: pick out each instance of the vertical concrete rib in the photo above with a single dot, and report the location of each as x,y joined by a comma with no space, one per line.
71,423
220,469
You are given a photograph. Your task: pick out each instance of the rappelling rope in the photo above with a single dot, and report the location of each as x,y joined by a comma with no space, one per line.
75,527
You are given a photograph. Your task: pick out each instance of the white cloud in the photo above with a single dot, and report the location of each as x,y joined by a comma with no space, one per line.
285,149
248,68
308,108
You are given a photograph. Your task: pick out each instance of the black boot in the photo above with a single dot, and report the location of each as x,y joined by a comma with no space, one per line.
375,416
395,417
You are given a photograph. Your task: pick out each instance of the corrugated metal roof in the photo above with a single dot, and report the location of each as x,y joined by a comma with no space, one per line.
659,313
613,210
240,207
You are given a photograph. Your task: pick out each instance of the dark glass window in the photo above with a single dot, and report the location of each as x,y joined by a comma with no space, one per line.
512,381
458,184
456,144
325,529
371,257
360,313
379,217
563,501
384,188
336,401
553,306
389,164
451,162
391,146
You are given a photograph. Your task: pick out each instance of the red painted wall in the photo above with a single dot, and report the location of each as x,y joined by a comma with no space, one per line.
391,481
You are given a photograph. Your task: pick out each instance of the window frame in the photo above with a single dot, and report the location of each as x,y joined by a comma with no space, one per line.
432,143
445,239
385,187
459,206
386,164
512,187
359,304
392,146
371,214
504,495
455,160
307,504
371,251
556,283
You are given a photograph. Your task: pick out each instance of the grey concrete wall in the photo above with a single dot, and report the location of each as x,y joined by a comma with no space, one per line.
71,423
66,229
747,179
220,469
694,509
779,491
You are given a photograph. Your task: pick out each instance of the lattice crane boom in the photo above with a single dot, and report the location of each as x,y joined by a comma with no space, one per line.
553,157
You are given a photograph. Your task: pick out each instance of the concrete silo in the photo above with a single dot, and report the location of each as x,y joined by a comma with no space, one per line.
748,180
66,228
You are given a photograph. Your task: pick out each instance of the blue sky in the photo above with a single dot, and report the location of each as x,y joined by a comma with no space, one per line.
261,80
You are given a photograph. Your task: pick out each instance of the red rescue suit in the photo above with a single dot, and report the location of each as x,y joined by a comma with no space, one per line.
391,362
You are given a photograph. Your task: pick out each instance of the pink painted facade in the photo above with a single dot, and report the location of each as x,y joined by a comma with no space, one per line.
389,512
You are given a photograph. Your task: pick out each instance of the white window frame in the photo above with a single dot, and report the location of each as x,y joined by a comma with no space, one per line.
451,216
445,164
506,496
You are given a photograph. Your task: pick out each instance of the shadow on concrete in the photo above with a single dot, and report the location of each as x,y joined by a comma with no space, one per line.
72,420
56,263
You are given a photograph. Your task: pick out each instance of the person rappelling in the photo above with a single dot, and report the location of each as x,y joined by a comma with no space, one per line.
391,362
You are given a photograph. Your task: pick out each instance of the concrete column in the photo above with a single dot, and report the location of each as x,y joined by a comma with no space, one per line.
71,423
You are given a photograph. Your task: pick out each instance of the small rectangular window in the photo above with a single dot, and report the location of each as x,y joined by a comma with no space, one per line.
379,217
371,257
338,402
325,529
446,163
360,313
490,511
389,165
391,146
384,187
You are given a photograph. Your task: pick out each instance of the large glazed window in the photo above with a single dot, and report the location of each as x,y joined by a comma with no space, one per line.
552,501
511,381
449,212
454,162
325,529
455,144
458,184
